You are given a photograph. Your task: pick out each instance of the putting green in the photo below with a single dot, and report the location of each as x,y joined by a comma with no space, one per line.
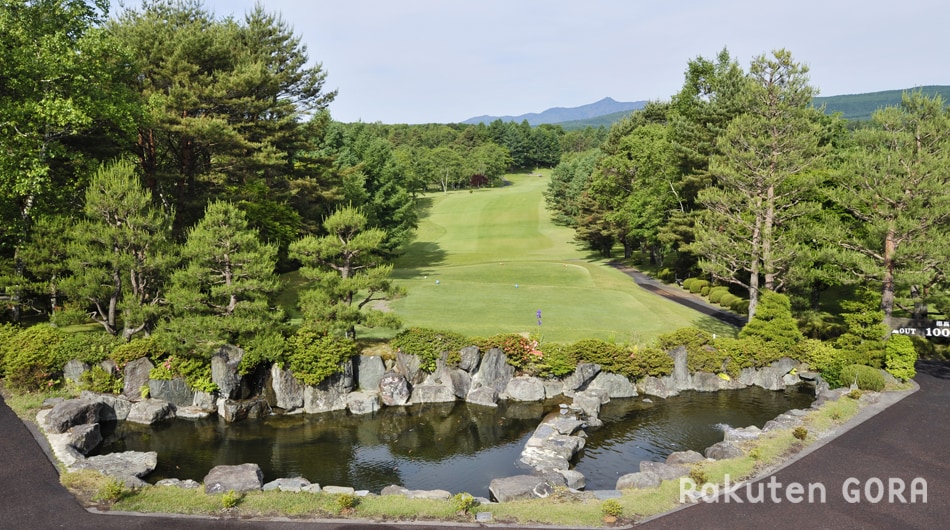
485,262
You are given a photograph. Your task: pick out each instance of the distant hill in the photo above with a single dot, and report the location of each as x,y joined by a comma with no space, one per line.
856,107
604,107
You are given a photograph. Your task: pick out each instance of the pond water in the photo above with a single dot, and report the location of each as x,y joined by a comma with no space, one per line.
456,446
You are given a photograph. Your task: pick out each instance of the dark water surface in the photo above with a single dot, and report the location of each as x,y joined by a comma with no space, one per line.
456,446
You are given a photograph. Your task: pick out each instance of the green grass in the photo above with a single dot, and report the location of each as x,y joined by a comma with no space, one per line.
498,258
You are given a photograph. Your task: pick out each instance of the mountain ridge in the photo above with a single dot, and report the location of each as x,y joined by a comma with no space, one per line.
553,115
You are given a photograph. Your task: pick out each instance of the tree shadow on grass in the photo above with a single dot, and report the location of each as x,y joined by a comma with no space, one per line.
424,257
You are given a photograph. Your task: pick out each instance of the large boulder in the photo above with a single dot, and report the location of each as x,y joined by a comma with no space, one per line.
394,389
240,478
663,470
493,371
225,373
684,458
174,391
72,412
485,395
554,443
149,411
369,370
431,393
84,438
525,487
136,376
723,451
616,385
231,411
772,377
589,402
663,387
583,374
741,434
128,467
705,382
115,408
680,375
362,402
74,369
284,391
470,358
410,366
525,388
324,397
640,480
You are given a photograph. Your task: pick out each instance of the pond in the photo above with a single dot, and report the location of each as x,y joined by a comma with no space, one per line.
455,446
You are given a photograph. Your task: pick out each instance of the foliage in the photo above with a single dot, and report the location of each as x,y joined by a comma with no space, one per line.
698,475
87,346
696,286
464,503
651,361
263,348
694,339
612,358
137,348
865,377
748,352
866,331
800,433
313,356
348,274
773,322
7,333
611,508
111,491
230,499
346,502
29,358
428,345
557,360
521,351
716,293
900,356
97,379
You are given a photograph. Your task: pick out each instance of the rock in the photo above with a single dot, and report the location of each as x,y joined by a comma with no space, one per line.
312,488
663,470
743,433
115,408
553,388
204,401
285,390
431,393
394,489
136,375
129,466
330,394
85,438
71,413
782,421
240,478
525,388
362,402
772,377
723,451
294,485
641,480
394,389
225,374
493,372
174,391
705,382
369,370
74,369
684,457
410,367
583,374
574,479
109,367
60,446
149,411
339,490
458,380
663,387
553,444
177,483
589,402
680,373
524,487
232,411
485,395
616,385
470,358
192,413
439,495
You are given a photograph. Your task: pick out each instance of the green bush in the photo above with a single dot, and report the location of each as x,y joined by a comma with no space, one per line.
464,503
826,359
611,357
740,305
866,377
29,358
704,291
727,299
7,332
518,349
557,361
428,344
773,322
88,346
666,275
97,379
611,508
264,348
651,361
196,372
688,282
693,338
716,293
900,356
314,356
136,349
69,315
696,287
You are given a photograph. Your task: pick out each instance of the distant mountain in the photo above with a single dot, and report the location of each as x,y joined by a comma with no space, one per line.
856,107
562,114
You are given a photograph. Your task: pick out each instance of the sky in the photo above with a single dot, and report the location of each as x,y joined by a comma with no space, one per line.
429,61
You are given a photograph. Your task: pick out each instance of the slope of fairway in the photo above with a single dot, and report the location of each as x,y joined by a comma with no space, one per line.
485,262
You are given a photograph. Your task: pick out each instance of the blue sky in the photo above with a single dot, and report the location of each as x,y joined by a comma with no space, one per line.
421,61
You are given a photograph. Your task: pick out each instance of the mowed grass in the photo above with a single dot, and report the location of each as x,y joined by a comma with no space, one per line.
485,262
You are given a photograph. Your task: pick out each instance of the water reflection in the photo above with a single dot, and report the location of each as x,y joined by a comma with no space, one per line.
455,446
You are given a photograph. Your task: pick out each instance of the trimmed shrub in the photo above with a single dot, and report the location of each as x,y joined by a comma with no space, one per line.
900,356
697,286
688,282
651,361
88,346
666,275
727,299
826,359
611,357
557,361
865,377
716,293
428,344
693,338
313,356
740,306
7,332
29,357
705,290
136,349
98,380
773,322
264,348
518,349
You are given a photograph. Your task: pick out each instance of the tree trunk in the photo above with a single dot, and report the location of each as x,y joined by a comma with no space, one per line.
887,293
768,263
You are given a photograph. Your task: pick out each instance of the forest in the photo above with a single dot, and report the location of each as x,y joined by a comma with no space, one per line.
161,167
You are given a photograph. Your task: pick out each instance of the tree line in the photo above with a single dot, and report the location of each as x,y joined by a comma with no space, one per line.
739,179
